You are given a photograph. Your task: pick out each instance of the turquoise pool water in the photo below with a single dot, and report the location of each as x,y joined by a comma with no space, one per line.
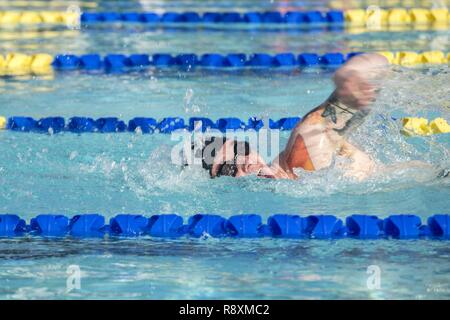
129,173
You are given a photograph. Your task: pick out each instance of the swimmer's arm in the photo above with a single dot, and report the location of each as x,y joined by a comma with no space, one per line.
280,169
361,166
295,155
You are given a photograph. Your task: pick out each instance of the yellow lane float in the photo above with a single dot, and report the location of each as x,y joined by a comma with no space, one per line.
41,60
435,17
411,58
356,17
30,18
420,126
17,64
407,58
439,125
390,56
10,17
439,15
52,17
37,17
41,64
2,123
22,64
398,16
433,57
420,16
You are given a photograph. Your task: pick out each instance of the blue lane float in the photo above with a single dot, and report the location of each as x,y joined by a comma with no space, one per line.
186,60
116,61
76,124
110,124
267,17
56,124
324,226
255,123
245,225
11,225
439,225
224,124
21,124
202,124
332,59
50,225
284,123
144,125
206,224
90,225
90,62
66,62
128,225
165,225
170,124
213,60
308,59
163,60
364,226
289,226
236,60
404,226
119,62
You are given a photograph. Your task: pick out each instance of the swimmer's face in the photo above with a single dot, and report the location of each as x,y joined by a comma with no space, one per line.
227,162
251,164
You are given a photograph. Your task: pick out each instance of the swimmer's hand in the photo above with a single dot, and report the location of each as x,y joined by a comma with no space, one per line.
361,165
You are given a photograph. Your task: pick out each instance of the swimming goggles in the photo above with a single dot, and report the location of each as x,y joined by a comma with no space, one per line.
229,168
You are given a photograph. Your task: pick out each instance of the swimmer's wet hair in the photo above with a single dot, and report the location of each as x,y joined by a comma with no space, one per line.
209,150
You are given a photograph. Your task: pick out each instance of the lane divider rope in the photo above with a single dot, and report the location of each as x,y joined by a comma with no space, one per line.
400,226
42,63
352,17
410,126
141,124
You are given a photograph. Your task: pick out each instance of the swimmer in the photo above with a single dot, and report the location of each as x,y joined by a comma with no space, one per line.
321,134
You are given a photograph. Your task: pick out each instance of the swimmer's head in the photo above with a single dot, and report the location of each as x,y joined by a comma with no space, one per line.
226,157
371,66
359,79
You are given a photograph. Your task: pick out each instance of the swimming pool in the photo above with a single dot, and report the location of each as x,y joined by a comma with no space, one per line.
130,173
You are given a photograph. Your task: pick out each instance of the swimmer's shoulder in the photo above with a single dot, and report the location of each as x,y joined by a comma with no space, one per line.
313,117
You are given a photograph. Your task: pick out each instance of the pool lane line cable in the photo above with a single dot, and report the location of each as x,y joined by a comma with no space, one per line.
17,64
411,126
372,16
397,226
